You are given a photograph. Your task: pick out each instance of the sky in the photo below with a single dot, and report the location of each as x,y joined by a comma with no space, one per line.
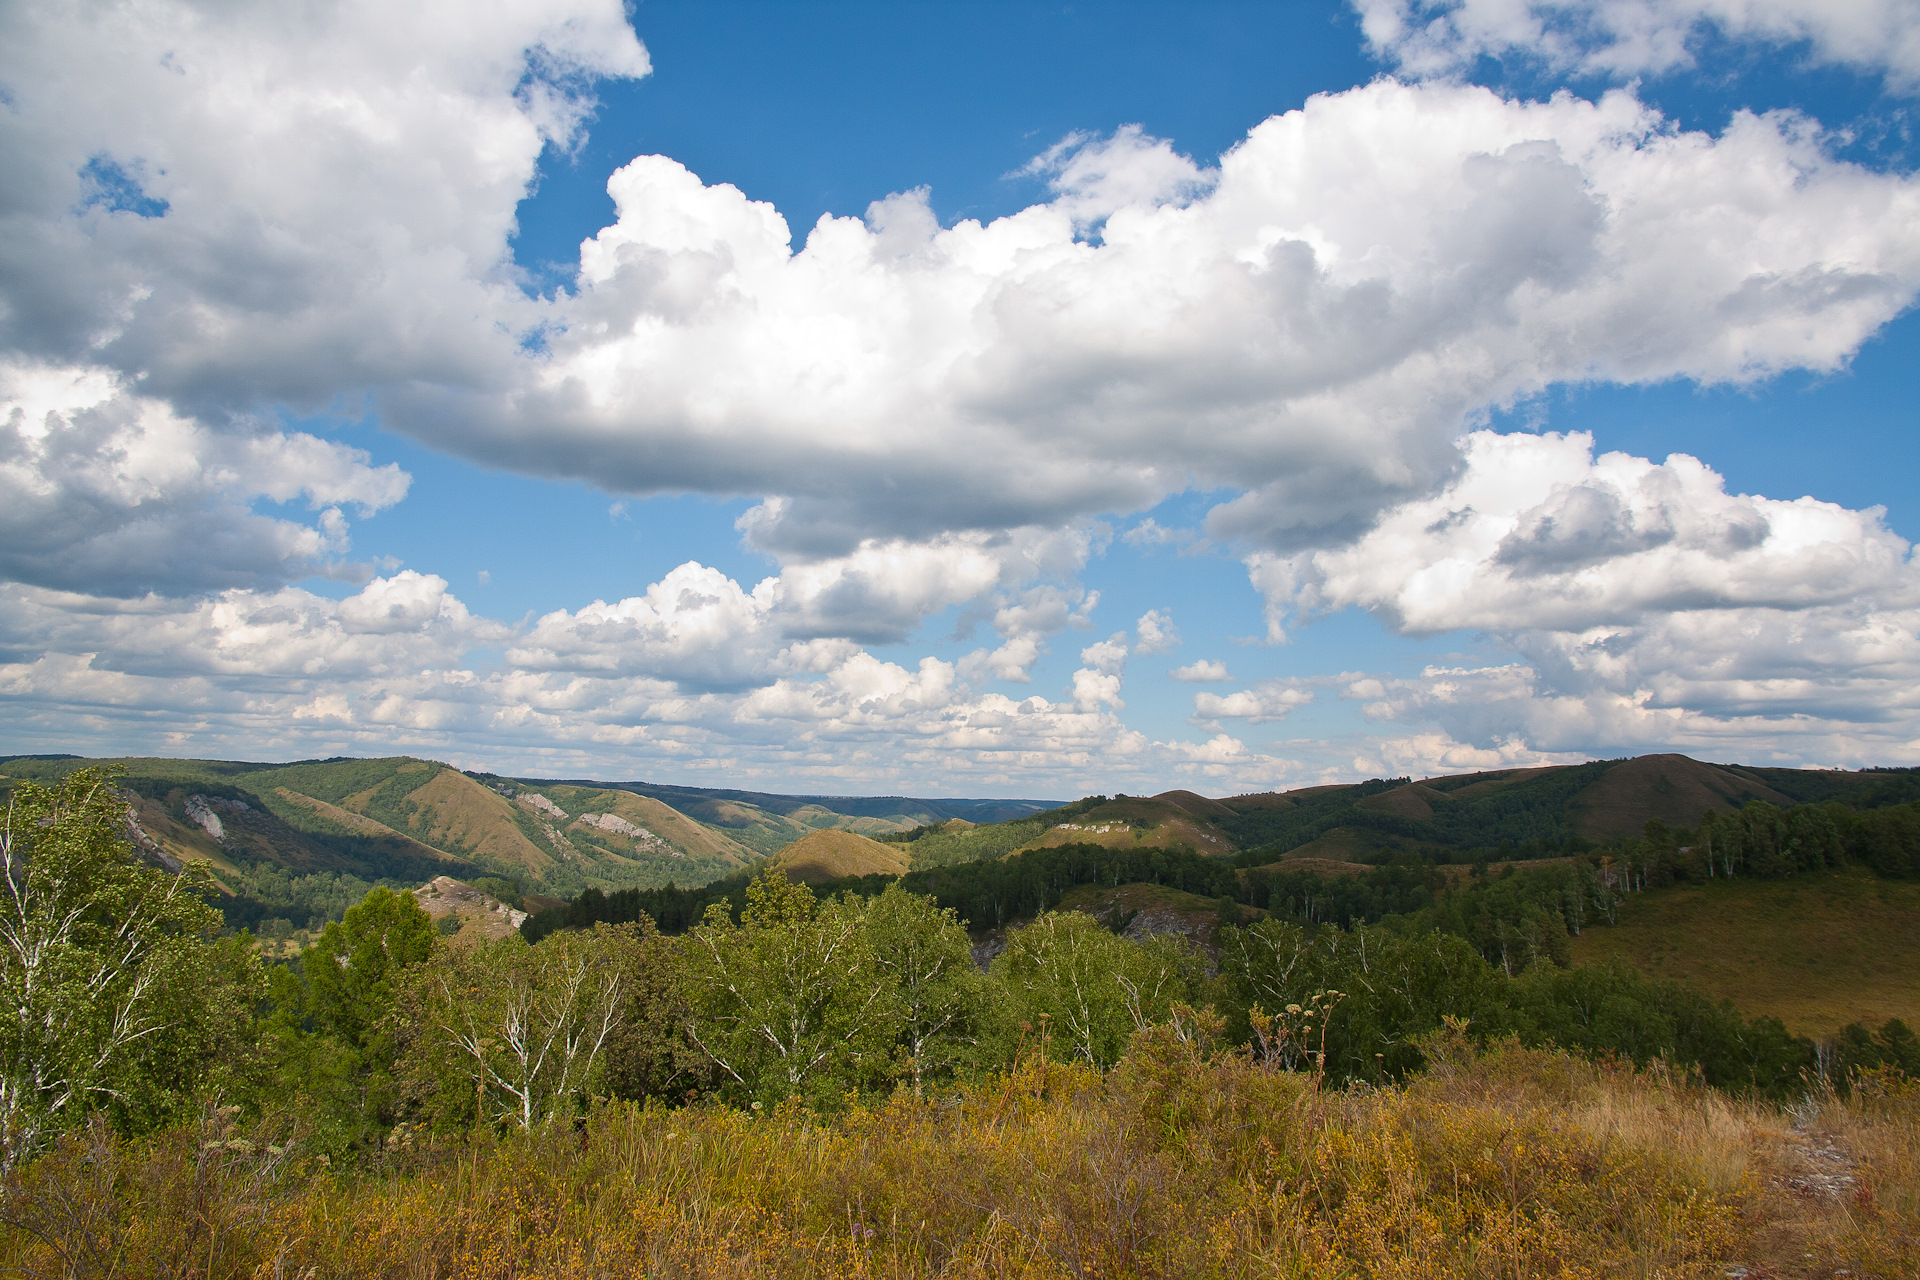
962,400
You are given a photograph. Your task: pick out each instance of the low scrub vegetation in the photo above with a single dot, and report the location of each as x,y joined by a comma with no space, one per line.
1183,1160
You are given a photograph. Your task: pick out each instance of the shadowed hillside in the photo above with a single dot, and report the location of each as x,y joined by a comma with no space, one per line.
1511,812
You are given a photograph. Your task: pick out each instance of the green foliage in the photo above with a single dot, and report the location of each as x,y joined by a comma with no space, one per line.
1857,1049
332,1016
1275,829
1082,991
1594,1009
505,1033
1392,989
791,1000
1396,987
505,890
1534,812
984,894
942,848
1309,897
335,780
115,999
263,891
996,893
648,1053
941,997
352,969
1864,790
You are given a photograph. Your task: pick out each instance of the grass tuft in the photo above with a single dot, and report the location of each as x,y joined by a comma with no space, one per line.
1503,1162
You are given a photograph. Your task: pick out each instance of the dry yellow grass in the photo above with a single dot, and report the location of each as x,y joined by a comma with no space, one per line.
461,813
661,819
829,855
1512,1163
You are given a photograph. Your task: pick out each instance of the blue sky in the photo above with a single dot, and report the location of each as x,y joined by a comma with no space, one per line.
326,438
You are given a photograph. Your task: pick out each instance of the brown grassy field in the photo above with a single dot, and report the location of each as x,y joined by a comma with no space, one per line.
828,855
1179,1163
1817,953
461,813
1163,823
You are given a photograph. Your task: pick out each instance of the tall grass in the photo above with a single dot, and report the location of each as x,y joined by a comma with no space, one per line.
1504,1162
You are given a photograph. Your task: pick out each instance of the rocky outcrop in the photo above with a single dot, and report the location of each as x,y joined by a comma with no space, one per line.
484,914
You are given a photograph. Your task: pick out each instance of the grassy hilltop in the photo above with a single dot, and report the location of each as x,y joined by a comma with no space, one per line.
1816,953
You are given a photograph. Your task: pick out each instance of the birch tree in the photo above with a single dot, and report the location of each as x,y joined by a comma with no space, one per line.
1093,988
510,1033
941,995
790,1000
95,951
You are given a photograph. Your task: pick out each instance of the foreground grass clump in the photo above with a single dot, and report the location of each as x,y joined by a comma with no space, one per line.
1508,1162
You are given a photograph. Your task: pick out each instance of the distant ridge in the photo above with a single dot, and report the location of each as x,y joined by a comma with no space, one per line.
293,841
400,820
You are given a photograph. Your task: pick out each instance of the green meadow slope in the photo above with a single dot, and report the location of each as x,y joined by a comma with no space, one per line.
1817,952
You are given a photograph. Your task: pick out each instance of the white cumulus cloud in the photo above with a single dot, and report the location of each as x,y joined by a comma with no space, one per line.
1536,533
1632,37
1262,704
104,489
1311,322
1155,632
1646,608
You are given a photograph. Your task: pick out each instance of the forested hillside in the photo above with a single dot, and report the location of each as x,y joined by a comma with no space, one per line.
1517,913
292,846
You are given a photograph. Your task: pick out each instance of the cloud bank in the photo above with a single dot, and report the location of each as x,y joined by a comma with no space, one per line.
1650,607
1312,322
1622,38
215,218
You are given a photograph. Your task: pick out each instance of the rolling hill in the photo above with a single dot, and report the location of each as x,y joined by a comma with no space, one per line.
300,842
1505,815
294,844
835,855
1513,812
